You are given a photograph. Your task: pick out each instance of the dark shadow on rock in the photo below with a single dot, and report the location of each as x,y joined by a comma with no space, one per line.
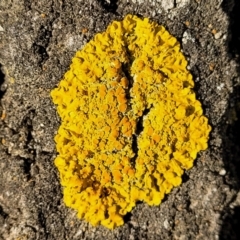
230,228
231,128
231,140
232,8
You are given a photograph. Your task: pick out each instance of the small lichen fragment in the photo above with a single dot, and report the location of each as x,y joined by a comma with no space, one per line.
131,123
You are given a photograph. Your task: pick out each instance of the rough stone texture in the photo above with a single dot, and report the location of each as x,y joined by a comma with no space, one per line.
37,41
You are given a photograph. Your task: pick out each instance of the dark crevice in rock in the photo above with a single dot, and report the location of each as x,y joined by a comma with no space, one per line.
42,221
27,5
41,43
43,39
135,150
27,123
185,177
2,213
41,53
139,129
2,79
31,227
109,5
175,3
27,167
127,217
29,144
125,69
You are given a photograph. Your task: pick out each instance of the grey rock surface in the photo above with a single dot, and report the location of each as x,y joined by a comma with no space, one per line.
37,41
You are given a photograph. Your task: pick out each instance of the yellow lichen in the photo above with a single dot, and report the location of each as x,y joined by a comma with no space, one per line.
131,123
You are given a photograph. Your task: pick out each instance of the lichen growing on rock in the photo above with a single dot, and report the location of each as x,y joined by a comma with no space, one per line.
131,123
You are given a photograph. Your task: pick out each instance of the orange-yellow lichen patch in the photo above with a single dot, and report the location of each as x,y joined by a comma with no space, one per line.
131,123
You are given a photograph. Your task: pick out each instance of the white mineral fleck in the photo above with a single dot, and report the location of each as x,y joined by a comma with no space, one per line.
222,172
187,37
220,87
78,233
218,35
167,4
182,3
166,224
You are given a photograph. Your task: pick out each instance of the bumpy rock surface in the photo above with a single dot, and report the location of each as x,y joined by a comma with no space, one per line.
37,42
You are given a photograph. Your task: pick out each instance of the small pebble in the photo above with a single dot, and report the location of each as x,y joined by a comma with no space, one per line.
214,31
166,224
222,172
217,35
